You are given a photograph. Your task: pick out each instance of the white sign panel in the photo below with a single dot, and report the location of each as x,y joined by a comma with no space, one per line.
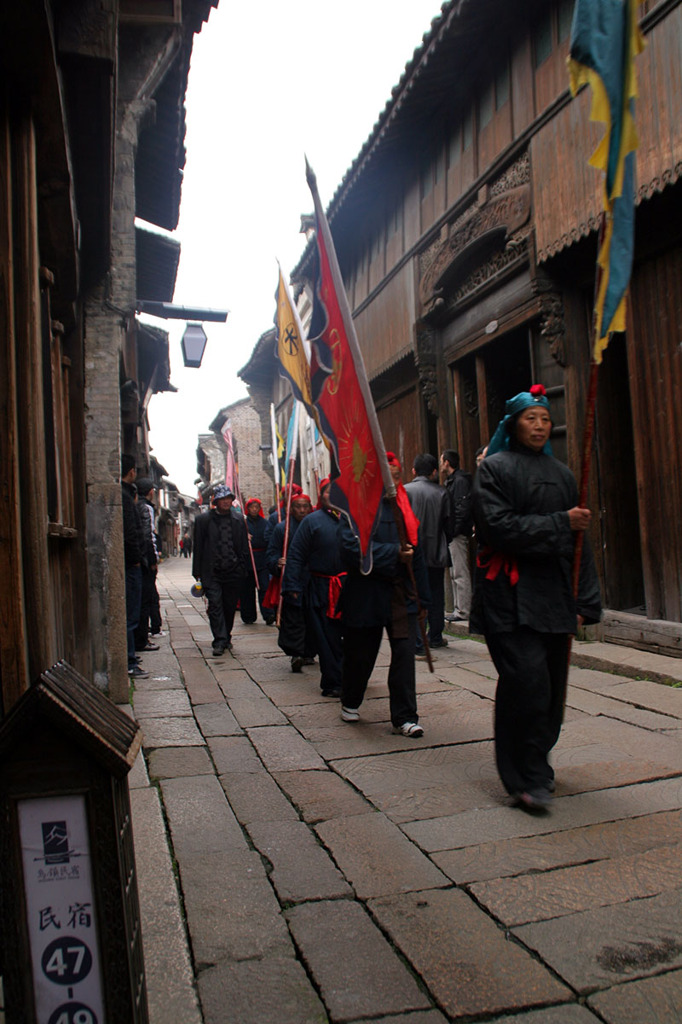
60,910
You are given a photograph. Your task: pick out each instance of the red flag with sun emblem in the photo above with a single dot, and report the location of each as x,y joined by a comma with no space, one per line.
342,396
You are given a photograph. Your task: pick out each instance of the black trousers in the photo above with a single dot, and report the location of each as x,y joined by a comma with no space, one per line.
247,598
295,637
360,649
529,704
147,601
222,604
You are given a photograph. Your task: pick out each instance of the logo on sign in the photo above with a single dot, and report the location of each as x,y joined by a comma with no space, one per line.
55,842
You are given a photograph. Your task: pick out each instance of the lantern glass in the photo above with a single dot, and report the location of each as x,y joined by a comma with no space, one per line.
193,344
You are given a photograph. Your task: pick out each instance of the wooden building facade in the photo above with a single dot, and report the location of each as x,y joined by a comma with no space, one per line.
466,235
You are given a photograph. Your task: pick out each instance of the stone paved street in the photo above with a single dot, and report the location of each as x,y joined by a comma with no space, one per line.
335,872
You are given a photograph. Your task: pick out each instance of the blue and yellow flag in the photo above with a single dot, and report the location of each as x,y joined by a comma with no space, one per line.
605,39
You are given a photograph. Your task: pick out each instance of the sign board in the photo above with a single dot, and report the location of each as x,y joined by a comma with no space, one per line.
60,910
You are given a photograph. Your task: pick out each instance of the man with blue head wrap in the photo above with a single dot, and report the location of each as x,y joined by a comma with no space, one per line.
527,519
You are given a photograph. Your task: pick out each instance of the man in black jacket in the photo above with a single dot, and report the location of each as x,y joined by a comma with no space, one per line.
458,487
132,553
149,563
220,559
430,503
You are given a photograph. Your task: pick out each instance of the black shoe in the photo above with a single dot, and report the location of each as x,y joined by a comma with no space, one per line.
308,661
248,622
332,693
270,621
218,650
438,643
536,801
138,673
296,664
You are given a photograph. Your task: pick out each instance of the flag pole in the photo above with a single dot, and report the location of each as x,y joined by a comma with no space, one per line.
241,504
363,383
289,487
275,458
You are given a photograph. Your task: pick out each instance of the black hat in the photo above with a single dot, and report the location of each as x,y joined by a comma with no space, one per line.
144,485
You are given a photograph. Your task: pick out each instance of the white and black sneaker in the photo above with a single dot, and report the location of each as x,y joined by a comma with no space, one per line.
410,729
350,714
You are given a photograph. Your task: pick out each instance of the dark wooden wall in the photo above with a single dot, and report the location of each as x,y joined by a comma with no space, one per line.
654,348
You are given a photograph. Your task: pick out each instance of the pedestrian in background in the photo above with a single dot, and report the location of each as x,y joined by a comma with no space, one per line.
430,503
458,487
149,564
220,560
132,553
527,520
256,524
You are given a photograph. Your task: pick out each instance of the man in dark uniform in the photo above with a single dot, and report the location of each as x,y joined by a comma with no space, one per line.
430,503
315,556
256,525
527,520
384,599
220,560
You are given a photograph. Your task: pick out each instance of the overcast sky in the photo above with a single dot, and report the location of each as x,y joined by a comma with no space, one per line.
269,83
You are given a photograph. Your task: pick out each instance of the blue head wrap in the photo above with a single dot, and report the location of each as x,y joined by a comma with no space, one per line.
501,437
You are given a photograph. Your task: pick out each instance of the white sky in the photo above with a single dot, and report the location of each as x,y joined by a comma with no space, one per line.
269,82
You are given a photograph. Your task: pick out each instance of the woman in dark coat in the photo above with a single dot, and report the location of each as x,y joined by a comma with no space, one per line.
314,577
256,525
527,520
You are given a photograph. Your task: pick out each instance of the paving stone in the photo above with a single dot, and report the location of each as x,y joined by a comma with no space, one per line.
217,720
665,699
161,704
234,754
599,704
594,679
375,856
435,801
270,991
179,762
616,741
256,797
253,712
199,681
574,846
232,911
656,1000
418,767
301,868
171,732
319,795
596,949
282,749
493,824
236,683
200,817
358,978
168,968
462,956
539,896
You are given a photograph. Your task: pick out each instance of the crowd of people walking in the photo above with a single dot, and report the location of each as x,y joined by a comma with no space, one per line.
300,566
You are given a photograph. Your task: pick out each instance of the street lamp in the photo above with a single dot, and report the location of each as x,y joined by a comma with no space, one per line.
193,344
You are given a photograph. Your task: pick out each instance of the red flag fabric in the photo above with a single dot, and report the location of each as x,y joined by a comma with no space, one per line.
341,394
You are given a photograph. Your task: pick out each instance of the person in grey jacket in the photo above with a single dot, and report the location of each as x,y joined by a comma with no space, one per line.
430,504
